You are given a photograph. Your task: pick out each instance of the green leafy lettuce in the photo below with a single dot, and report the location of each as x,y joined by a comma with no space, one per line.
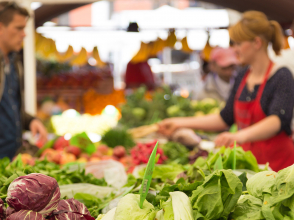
244,160
248,207
261,184
217,196
129,209
168,210
165,172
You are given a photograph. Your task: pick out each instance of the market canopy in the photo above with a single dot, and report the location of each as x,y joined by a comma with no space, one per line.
281,10
48,12
169,17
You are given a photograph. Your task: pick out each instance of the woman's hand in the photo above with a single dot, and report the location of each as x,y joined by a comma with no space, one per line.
168,126
227,139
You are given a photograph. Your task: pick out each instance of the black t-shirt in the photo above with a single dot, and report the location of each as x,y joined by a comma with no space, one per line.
277,98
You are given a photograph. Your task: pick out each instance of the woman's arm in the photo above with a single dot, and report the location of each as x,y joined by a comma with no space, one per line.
208,123
262,130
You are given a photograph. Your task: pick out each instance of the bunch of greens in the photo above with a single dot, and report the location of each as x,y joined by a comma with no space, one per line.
206,106
270,196
245,160
176,152
118,137
134,118
11,171
165,189
217,196
138,111
165,172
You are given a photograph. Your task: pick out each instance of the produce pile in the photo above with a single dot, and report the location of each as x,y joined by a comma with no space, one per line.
116,144
70,80
213,193
226,185
33,192
37,196
81,149
140,110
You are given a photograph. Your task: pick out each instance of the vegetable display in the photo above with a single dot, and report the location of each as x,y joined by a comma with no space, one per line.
118,137
176,152
139,110
209,189
244,160
141,153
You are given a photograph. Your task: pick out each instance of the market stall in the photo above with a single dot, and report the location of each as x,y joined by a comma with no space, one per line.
227,184
106,158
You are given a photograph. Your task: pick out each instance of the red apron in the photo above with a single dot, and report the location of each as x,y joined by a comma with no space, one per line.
278,150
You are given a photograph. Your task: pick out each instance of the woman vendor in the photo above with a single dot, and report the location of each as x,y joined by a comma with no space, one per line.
261,101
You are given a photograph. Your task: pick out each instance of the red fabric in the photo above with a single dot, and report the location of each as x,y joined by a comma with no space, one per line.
139,74
278,150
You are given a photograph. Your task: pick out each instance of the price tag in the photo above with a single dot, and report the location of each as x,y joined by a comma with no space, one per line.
148,176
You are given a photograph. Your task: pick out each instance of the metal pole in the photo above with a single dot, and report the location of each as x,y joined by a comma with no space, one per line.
30,83
167,60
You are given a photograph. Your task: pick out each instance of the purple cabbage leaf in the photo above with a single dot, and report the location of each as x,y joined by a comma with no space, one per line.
71,209
36,192
26,215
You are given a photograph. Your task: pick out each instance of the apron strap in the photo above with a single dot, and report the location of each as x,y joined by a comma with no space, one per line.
242,85
261,88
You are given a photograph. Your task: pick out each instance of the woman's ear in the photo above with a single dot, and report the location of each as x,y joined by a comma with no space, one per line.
258,43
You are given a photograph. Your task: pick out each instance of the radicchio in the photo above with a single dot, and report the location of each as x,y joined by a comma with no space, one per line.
2,210
33,192
9,211
53,203
71,209
26,215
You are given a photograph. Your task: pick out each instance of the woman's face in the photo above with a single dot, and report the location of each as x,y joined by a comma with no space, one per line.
245,51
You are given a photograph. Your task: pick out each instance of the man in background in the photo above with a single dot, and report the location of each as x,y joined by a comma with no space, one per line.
13,119
219,81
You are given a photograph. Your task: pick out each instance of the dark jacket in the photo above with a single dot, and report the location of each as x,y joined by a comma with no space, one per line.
26,118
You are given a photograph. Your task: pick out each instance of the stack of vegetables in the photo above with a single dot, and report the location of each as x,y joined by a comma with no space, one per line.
80,148
116,144
140,110
215,193
216,187
269,196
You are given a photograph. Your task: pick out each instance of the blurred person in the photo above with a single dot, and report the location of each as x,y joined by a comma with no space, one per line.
219,82
13,119
261,102
139,74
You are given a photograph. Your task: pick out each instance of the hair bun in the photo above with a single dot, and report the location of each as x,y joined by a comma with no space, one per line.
256,24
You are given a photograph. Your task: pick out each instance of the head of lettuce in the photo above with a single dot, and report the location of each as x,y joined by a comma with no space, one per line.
128,208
